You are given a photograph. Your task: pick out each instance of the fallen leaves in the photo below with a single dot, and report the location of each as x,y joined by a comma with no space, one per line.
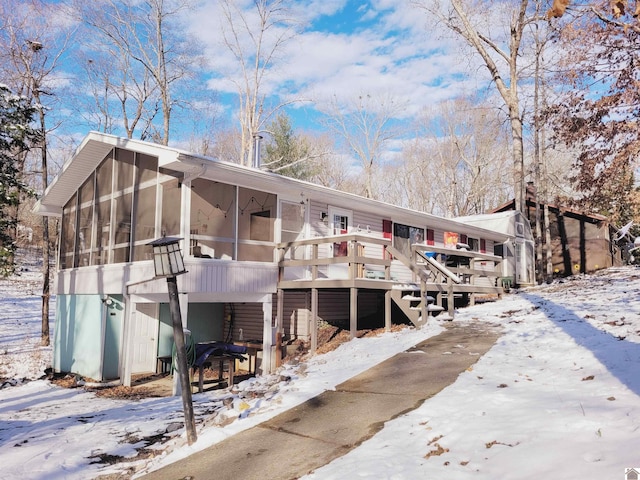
437,450
495,442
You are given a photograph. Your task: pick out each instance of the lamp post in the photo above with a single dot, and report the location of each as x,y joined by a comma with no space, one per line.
168,263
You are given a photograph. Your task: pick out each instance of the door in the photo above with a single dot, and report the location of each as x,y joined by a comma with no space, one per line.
341,221
521,265
145,338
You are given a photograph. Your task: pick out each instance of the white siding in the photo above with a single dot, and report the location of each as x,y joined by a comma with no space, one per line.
202,276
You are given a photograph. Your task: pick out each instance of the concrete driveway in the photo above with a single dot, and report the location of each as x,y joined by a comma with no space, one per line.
328,426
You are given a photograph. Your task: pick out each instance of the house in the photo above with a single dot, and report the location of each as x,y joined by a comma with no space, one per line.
581,242
267,258
518,266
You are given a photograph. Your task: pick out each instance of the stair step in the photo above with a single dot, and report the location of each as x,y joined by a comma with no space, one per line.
429,298
411,298
407,286
445,317
430,308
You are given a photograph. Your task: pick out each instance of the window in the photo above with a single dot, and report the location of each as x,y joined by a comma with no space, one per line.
102,215
68,233
85,223
213,214
451,239
256,220
404,236
171,203
122,224
124,169
292,229
114,211
261,226
145,199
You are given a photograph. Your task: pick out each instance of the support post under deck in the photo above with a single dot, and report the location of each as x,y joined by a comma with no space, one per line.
353,312
314,319
387,310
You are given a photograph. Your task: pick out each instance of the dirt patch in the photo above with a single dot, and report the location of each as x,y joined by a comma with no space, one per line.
125,393
330,337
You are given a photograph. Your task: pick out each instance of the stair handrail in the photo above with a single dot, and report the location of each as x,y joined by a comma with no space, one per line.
398,255
440,267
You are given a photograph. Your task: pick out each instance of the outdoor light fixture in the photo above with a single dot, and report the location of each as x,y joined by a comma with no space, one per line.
167,257
168,262
107,300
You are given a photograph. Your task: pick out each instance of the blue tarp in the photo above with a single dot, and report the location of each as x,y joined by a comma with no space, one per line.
205,350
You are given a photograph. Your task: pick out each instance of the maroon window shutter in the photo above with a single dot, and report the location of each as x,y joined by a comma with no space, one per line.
463,238
386,229
386,233
431,236
483,245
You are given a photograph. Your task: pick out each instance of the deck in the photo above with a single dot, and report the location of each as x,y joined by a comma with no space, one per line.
369,262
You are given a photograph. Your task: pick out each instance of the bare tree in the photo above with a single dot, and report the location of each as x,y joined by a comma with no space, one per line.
255,38
120,94
544,249
33,43
366,126
225,146
143,44
454,164
500,56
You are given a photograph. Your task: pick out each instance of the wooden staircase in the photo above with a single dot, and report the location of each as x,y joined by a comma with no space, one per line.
414,300
411,301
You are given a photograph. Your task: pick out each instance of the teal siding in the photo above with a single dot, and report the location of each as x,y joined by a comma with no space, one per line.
165,333
113,338
205,320
77,339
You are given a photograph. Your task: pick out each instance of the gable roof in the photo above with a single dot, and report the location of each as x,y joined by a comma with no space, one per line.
96,146
501,221
531,203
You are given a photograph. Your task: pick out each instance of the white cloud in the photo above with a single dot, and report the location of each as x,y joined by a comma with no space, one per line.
389,51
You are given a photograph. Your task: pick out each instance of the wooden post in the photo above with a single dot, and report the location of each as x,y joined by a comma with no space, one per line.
353,312
314,319
267,336
387,310
280,325
424,304
181,359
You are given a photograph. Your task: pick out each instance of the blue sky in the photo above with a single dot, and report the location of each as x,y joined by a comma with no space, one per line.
344,49
381,48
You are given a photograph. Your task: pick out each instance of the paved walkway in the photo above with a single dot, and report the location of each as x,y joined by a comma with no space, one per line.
328,426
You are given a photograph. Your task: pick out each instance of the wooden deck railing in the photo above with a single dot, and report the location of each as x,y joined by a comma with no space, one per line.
357,263
467,271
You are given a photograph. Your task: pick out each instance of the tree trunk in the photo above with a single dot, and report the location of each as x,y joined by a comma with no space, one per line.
46,294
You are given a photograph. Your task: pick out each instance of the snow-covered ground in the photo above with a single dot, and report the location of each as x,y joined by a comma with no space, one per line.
558,396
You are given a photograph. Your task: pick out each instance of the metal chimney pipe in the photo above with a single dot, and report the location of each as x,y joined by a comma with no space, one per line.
256,150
